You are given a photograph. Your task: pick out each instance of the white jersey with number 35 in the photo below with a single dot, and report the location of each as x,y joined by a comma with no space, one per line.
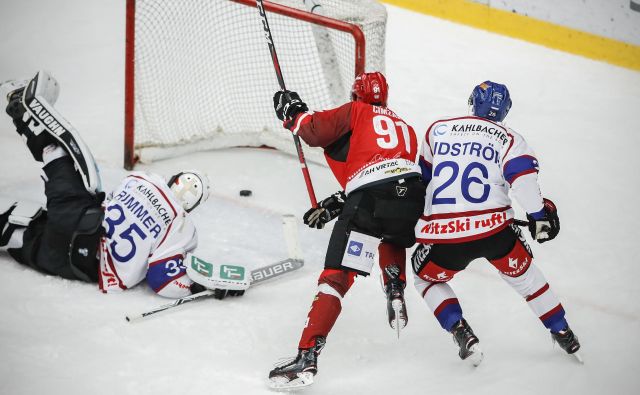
147,237
469,164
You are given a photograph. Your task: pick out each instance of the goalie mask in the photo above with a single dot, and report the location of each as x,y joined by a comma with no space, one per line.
190,188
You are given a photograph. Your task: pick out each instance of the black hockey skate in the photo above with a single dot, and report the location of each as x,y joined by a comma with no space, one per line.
568,341
299,372
396,307
468,342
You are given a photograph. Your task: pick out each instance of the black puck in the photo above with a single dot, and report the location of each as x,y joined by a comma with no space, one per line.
245,192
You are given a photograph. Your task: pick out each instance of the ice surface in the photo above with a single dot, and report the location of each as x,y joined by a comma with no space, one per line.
62,337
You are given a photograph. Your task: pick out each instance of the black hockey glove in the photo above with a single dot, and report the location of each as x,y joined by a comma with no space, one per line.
223,293
288,105
197,288
217,293
327,210
547,227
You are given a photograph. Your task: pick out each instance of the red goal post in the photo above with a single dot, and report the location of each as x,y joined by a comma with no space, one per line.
142,64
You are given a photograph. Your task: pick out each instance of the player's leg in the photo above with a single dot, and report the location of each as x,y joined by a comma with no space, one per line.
391,211
36,140
16,220
47,242
333,284
433,266
517,269
69,210
391,259
40,124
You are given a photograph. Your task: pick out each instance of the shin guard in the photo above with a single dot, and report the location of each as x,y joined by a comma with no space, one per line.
326,307
533,286
442,302
390,254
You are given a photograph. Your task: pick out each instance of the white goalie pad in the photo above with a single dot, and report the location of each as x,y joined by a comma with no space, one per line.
6,204
217,276
38,99
23,213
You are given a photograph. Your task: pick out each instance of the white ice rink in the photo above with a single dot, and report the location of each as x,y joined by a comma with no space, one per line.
581,117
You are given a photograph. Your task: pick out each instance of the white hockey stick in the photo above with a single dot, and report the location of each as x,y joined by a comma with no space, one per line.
258,275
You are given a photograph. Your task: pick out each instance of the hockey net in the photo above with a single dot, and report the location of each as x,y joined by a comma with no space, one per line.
199,75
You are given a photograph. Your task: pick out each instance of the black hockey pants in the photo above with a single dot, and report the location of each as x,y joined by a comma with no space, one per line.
388,211
46,243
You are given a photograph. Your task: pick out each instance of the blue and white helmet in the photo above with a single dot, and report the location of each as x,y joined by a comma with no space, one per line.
190,187
491,101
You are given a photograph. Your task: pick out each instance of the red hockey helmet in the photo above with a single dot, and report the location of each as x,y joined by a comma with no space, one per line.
371,88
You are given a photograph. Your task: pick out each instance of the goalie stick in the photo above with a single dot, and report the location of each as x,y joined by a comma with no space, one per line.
258,275
278,70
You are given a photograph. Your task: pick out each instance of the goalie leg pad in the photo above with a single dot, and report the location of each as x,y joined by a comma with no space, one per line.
16,216
18,222
42,117
27,128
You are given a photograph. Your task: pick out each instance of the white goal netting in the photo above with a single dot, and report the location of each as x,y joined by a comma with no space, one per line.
204,78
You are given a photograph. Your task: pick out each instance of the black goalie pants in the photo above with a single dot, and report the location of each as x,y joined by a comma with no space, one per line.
47,240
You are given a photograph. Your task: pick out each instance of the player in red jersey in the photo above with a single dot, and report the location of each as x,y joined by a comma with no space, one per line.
372,153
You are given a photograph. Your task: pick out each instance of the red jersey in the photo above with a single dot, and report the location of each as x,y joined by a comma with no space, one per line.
363,144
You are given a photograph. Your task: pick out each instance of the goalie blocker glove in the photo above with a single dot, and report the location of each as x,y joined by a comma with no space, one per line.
288,105
327,210
545,224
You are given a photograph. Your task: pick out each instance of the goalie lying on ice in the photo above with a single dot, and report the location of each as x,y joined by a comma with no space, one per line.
141,231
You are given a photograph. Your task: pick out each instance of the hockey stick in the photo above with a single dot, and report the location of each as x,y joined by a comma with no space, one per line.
258,276
520,222
177,302
278,70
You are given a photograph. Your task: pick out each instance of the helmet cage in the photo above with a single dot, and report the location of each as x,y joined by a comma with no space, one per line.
190,188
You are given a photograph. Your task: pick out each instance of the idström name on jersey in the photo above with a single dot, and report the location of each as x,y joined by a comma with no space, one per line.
487,153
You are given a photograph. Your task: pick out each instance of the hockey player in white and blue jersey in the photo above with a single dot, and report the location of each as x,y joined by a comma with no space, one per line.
470,164
148,233
141,232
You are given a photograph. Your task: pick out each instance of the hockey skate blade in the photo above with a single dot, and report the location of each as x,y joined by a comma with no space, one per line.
476,357
281,384
576,355
398,323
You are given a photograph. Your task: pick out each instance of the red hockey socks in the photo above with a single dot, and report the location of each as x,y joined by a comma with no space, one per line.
389,254
327,305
